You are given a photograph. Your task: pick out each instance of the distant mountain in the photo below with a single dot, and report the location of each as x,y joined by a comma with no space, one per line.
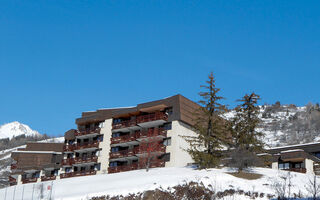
15,129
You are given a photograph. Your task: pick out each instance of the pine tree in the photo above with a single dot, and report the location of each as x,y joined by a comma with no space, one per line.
206,147
246,139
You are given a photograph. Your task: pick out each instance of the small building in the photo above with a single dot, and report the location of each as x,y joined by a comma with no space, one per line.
304,158
37,162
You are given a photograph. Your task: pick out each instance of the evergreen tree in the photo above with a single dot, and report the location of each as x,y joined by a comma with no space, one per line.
246,139
206,147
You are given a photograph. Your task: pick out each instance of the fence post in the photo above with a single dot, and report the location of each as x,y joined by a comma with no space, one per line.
22,192
32,191
51,189
5,194
14,192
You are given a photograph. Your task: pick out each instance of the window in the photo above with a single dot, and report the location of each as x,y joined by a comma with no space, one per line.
113,164
283,165
297,165
167,141
167,126
97,166
169,111
68,169
165,157
114,149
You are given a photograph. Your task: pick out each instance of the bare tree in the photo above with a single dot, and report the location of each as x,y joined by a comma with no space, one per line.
313,187
151,149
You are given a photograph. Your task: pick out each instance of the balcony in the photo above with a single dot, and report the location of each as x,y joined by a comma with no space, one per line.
48,178
125,125
79,173
152,119
143,150
68,161
122,168
84,133
300,170
12,181
130,139
86,145
68,148
123,153
85,160
14,166
152,133
29,180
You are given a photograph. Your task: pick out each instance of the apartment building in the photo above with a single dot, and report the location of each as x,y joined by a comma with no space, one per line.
304,158
36,162
113,140
122,139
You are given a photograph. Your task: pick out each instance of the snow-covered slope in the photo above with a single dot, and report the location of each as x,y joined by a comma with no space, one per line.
140,180
15,129
288,124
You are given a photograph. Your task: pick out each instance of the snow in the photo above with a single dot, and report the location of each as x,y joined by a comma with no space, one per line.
15,129
294,150
139,180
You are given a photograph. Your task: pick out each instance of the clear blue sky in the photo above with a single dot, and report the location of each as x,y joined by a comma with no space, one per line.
59,58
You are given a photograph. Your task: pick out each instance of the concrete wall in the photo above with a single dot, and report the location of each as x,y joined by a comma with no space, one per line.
275,165
103,158
309,165
178,156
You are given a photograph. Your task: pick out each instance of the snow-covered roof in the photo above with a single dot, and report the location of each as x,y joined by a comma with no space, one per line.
293,150
294,145
51,152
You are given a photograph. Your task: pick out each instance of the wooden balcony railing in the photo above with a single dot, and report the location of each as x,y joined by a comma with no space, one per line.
48,178
135,166
69,147
124,124
301,170
79,173
66,175
13,166
68,161
29,180
123,168
124,138
11,179
155,148
87,145
122,153
152,117
87,132
85,160
152,132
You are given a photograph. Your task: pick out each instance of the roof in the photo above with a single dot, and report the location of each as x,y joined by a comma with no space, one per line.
39,146
308,147
182,110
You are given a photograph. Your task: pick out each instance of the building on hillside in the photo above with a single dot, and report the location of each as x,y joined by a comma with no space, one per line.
304,158
36,162
122,139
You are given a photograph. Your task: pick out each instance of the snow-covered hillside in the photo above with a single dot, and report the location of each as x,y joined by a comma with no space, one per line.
15,129
140,180
288,124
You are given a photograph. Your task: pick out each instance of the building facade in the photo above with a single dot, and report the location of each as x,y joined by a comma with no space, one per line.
122,139
304,158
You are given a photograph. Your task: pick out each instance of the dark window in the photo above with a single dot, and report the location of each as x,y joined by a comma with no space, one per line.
169,111
167,141
284,165
165,157
167,126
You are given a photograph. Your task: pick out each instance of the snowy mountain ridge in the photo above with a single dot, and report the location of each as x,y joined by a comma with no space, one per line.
15,129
